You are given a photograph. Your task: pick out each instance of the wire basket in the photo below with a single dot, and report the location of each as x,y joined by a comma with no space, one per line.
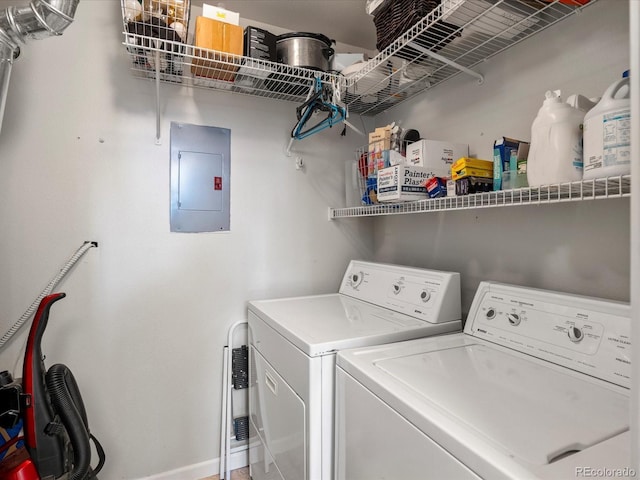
160,25
370,160
367,175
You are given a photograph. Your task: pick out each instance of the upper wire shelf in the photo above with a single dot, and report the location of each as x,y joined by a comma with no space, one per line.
600,188
198,67
455,36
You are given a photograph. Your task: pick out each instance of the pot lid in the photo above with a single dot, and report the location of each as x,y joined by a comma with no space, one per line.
316,36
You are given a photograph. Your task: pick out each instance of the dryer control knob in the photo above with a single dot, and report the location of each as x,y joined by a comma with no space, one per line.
575,334
425,295
514,319
395,288
355,279
491,313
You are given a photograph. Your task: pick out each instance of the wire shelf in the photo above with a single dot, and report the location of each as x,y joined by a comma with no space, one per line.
455,36
600,188
197,67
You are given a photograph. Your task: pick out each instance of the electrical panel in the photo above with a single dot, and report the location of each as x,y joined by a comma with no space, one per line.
200,168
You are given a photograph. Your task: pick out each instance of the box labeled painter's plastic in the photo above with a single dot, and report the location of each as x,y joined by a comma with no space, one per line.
402,183
436,156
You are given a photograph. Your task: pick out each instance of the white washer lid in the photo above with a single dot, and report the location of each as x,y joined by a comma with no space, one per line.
534,412
322,324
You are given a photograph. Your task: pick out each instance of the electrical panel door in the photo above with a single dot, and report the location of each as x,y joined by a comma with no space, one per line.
200,158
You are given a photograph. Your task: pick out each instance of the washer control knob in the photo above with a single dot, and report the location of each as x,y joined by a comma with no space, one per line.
491,313
425,295
355,279
514,319
575,334
395,289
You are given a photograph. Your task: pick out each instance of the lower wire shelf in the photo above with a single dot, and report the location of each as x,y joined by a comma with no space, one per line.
599,188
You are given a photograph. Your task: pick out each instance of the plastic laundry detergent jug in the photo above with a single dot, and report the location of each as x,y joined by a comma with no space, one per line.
555,155
607,133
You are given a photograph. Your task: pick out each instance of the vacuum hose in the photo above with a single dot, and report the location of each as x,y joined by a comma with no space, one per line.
47,291
67,402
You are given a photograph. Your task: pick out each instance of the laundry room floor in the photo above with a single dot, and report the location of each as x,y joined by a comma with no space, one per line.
239,474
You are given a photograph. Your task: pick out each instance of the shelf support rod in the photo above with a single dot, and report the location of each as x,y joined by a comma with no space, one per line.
158,142
445,60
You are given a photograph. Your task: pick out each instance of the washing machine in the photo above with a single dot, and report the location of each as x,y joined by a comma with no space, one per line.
536,387
292,353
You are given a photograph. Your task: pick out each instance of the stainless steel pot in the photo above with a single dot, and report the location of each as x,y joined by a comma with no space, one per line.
307,50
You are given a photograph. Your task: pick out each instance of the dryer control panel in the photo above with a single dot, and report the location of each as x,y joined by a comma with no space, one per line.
590,335
430,295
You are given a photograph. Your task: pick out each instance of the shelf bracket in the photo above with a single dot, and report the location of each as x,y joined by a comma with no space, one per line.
287,151
158,142
445,60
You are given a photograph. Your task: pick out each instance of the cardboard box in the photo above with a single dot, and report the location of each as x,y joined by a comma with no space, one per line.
381,134
502,148
451,188
402,183
436,187
220,14
469,185
436,156
466,162
471,172
221,37
379,141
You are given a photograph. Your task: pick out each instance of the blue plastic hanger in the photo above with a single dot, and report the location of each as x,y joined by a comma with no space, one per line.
319,101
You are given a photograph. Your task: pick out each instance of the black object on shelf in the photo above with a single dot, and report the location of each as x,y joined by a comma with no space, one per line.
259,43
396,17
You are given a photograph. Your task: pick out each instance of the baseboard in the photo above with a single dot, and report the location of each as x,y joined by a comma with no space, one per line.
239,458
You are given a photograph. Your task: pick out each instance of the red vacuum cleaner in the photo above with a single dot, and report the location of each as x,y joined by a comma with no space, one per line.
47,403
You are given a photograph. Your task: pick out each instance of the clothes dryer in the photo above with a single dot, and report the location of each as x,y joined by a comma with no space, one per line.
536,387
292,351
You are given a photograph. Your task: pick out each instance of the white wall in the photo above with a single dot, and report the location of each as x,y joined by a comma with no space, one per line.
581,248
147,313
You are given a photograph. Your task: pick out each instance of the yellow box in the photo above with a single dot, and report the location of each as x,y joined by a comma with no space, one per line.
471,172
466,162
221,37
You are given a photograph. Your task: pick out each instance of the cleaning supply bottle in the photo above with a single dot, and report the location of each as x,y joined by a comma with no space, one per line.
607,133
555,155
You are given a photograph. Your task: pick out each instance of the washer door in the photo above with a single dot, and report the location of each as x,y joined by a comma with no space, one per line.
277,416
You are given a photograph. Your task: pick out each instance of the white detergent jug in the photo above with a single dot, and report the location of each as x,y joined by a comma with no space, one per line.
555,155
607,133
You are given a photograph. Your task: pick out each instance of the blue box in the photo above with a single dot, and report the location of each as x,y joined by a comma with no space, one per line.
502,148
